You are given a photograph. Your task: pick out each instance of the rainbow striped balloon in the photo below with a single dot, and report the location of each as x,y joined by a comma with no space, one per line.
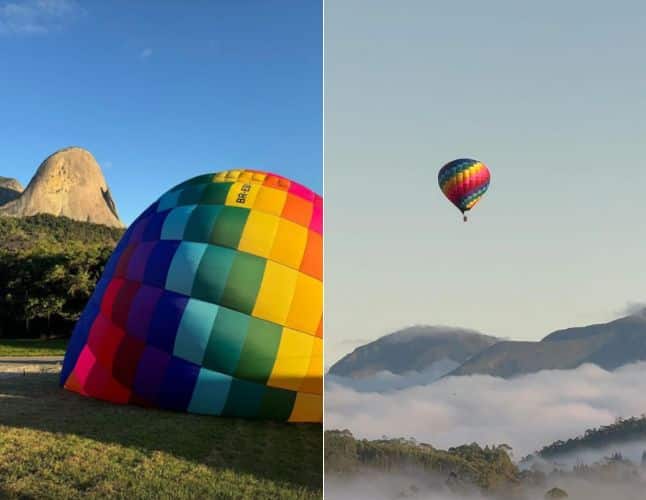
463,182
211,303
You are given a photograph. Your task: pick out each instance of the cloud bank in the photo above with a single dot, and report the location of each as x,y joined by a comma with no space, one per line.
635,308
526,413
387,381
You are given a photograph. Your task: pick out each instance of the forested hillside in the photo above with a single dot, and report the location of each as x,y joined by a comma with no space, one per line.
48,269
488,468
622,431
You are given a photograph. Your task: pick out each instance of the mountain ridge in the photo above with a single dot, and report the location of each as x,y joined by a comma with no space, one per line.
608,345
411,349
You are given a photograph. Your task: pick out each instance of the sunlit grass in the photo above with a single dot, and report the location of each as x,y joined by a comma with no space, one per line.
56,444
19,348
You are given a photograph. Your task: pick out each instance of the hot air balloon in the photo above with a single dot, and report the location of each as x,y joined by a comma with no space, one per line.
211,303
463,182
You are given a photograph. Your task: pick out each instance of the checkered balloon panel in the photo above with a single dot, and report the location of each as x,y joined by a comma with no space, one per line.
211,303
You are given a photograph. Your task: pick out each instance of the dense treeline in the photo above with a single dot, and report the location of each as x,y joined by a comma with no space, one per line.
489,468
467,469
622,430
48,269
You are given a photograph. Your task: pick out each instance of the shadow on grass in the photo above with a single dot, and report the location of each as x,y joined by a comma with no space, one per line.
280,452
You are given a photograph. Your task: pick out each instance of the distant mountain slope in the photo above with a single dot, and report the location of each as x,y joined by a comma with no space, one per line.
412,349
68,183
510,358
10,189
621,326
623,430
608,345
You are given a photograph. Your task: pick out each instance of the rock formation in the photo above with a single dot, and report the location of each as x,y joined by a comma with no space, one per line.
68,183
10,189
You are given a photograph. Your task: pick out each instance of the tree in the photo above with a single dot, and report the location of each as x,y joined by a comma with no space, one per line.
556,493
49,267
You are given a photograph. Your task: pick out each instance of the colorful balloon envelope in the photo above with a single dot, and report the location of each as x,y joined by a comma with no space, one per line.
211,303
464,182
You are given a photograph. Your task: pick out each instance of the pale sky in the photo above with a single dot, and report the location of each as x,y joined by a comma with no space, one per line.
552,97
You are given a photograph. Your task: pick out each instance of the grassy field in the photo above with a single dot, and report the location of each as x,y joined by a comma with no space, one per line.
56,444
18,348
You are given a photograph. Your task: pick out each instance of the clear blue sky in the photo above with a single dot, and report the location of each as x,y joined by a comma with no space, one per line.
551,95
162,91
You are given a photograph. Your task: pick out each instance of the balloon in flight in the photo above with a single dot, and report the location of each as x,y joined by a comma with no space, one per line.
464,182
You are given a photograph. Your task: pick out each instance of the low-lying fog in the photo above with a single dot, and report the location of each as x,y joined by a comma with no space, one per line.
526,413
371,486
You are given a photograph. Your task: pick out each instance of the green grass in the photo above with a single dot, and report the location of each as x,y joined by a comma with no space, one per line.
23,347
57,444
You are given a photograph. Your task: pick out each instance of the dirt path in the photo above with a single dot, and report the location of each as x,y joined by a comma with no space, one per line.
15,367
31,360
